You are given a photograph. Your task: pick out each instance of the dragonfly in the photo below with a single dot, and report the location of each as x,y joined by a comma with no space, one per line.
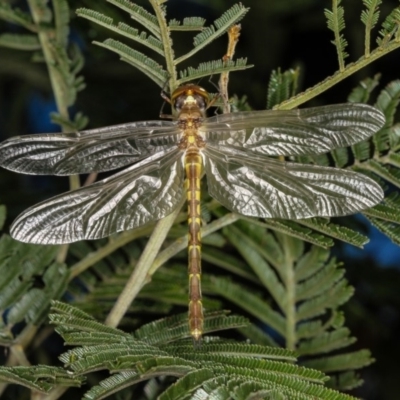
240,154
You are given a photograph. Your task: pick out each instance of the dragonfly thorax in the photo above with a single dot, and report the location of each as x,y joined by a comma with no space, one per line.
190,101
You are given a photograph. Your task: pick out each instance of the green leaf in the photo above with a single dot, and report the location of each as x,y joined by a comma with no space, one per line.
140,61
16,16
140,15
392,231
340,157
326,342
20,41
345,381
189,24
78,123
335,20
388,173
282,86
39,378
123,29
336,296
362,150
227,262
311,262
212,67
390,28
188,383
222,24
320,282
248,300
361,93
61,19
20,264
386,212
336,231
295,229
388,101
354,360
370,17
213,366
257,335
252,255
113,384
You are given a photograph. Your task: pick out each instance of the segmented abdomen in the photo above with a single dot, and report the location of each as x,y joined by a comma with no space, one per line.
193,167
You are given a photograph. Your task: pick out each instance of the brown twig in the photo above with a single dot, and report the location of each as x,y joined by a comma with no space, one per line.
233,38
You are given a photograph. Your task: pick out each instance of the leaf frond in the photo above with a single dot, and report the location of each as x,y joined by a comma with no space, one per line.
20,41
19,265
296,230
123,29
139,60
189,24
248,300
40,378
16,16
336,231
390,28
312,302
140,15
282,86
221,25
353,360
335,21
339,294
61,20
213,366
326,342
211,68
369,18
362,92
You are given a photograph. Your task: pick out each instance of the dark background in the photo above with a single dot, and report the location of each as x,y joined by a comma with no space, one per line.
275,33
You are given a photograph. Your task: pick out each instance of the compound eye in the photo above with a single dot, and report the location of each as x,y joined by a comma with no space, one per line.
201,102
178,104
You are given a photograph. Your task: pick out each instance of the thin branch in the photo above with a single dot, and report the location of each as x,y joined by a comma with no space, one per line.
167,43
233,38
140,275
45,39
336,78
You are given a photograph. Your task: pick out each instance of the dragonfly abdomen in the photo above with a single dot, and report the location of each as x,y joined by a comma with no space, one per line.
193,168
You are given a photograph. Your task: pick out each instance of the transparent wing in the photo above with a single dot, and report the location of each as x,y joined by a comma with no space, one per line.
261,187
294,132
98,150
144,192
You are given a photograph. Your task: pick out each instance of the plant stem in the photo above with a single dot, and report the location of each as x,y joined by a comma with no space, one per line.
140,275
47,44
336,78
290,284
47,48
143,270
167,43
114,244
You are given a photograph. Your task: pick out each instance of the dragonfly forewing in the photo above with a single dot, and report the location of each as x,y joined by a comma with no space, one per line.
142,193
97,150
262,187
234,149
294,132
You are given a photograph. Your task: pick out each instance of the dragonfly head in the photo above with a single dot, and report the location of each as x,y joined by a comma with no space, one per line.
191,99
